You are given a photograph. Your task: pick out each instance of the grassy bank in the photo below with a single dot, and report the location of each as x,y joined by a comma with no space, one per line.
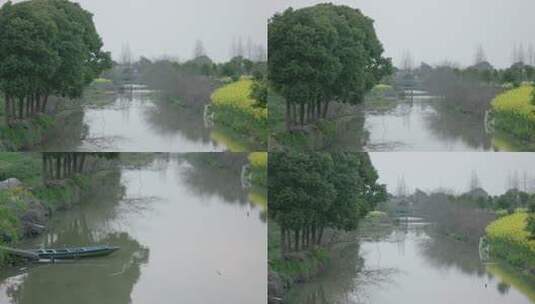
258,162
510,241
287,271
23,135
316,136
514,113
234,109
34,202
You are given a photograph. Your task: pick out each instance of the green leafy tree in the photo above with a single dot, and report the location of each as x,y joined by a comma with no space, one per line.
46,47
309,192
321,54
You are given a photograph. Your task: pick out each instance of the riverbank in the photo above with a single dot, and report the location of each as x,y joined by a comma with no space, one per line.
233,108
514,113
26,203
345,131
284,272
29,134
510,241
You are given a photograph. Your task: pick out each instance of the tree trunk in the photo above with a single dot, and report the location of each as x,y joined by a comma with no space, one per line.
283,241
287,115
58,167
44,169
320,236
28,100
313,237
21,107
302,114
82,161
8,110
66,164
296,240
325,109
37,103
294,111
45,101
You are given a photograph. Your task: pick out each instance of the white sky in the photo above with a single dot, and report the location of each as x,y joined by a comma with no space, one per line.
429,171
435,30
154,28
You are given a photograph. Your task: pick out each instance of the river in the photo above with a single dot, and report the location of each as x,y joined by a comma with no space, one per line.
421,123
138,121
187,233
410,263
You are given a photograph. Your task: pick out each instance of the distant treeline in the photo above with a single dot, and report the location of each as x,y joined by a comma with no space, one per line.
191,82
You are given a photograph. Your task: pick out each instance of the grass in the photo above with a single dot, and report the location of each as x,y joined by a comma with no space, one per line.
510,240
24,134
515,113
293,270
258,162
14,202
234,108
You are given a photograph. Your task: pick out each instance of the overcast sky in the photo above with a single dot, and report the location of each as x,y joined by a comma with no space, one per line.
170,27
435,30
429,171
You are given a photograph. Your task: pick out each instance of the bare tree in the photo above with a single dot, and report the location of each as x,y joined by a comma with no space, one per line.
250,48
531,55
239,48
126,54
407,62
260,54
513,181
480,55
199,50
515,54
474,181
402,190
233,48
521,54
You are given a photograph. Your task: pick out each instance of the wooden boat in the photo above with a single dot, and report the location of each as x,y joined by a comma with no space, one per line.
74,253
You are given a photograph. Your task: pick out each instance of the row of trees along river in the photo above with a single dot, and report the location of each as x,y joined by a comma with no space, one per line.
149,205
62,92
425,108
338,237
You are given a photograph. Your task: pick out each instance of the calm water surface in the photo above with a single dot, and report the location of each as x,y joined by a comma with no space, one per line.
137,121
187,235
410,264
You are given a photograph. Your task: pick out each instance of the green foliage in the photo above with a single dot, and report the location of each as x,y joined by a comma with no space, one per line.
324,53
258,162
514,113
293,270
26,134
530,226
234,108
511,241
324,190
24,166
259,92
48,47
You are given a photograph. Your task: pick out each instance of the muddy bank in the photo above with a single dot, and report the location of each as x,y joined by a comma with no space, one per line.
34,207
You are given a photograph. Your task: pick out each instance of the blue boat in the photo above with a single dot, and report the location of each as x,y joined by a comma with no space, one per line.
74,253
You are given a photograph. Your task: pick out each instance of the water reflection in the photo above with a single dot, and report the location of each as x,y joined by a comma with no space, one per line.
412,264
135,120
178,244
427,123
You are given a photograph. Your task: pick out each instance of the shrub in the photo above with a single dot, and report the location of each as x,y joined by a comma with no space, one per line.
510,240
234,108
515,112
